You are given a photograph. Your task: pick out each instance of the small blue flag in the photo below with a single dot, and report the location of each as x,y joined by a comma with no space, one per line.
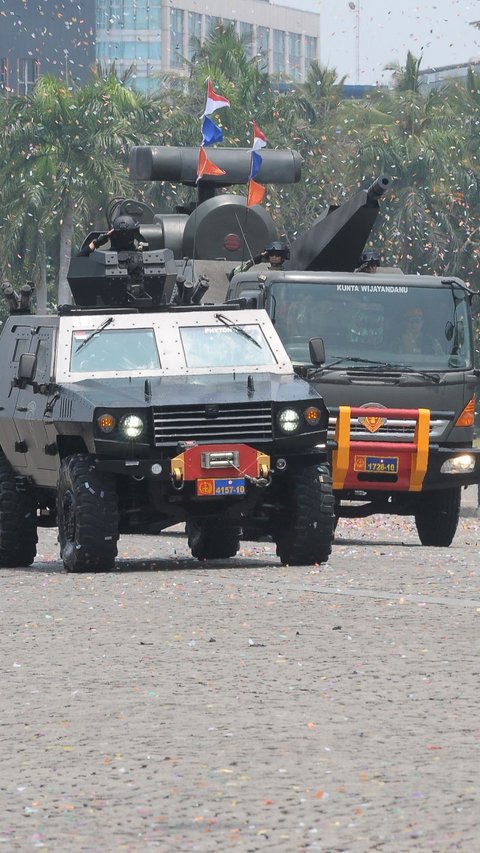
255,164
211,133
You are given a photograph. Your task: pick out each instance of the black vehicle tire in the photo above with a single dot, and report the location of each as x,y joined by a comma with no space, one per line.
303,533
18,518
87,507
212,540
437,515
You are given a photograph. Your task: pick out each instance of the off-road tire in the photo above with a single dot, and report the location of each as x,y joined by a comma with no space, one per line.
87,509
18,518
211,539
437,515
303,532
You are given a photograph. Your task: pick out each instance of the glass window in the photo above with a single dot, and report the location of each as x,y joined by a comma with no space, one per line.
176,37
294,55
114,350
194,32
211,23
263,44
20,347
27,75
154,49
418,328
246,34
3,73
278,53
226,346
310,51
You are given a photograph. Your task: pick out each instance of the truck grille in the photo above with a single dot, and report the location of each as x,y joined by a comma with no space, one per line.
246,423
395,430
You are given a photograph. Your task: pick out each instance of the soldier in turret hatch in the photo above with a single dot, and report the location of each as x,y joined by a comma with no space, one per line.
369,262
124,236
275,254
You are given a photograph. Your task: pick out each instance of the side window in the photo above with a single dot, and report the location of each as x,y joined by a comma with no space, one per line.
21,345
43,348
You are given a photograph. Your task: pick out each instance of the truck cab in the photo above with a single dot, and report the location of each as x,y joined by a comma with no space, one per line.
396,346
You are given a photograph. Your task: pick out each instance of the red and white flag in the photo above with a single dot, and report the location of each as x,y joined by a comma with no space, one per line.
214,101
259,138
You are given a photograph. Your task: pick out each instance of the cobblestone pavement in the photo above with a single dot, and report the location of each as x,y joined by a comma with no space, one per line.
178,706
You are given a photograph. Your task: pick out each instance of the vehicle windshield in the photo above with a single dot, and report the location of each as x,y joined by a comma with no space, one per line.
119,350
234,345
374,326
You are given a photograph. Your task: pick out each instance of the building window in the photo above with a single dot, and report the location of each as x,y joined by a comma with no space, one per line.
278,52
263,46
3,74
176,37
294,55
310,52
27,73
194,33
211,24
246,35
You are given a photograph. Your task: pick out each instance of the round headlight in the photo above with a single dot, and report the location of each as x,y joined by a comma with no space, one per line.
106,423
312,415
131,426
288,420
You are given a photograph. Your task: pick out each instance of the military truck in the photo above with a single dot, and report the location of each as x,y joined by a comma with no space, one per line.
135,408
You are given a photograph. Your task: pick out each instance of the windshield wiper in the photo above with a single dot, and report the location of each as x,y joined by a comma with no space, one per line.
238,329
357,359
405,368
94,333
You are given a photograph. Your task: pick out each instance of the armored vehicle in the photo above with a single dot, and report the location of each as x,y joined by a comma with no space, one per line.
135,408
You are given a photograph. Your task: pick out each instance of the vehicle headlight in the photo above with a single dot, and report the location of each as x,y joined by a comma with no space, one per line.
131,426
288,420
464,464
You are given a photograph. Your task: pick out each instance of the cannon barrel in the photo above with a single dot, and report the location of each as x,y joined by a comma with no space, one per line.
378,188
336,240
179,165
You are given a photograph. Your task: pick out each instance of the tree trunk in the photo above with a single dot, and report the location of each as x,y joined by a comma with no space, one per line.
66,230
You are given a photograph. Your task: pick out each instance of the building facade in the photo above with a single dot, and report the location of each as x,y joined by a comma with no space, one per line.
45,37
148,37
153,37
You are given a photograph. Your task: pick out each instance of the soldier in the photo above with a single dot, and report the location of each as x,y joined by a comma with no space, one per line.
276,254
369,262
124,236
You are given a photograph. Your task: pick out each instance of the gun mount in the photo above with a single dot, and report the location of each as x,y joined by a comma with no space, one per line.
222,227
203,240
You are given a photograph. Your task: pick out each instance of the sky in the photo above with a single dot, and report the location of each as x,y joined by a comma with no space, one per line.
365,35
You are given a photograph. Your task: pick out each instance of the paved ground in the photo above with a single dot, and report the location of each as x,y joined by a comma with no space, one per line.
184,707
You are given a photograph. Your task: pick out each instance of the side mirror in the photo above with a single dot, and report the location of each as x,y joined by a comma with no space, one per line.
26,368
317,350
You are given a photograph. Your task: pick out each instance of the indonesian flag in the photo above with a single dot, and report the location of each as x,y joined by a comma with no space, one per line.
206,167
259,138
214,101
255,193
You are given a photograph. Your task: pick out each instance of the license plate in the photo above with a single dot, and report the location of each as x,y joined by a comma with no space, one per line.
214,487
376,464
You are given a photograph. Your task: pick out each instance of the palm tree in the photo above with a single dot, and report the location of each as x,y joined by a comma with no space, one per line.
68,149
